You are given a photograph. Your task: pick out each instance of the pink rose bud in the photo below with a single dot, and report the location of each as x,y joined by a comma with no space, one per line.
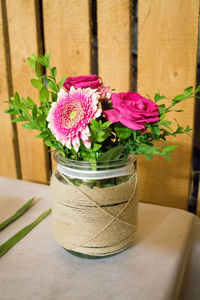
89,81
85,81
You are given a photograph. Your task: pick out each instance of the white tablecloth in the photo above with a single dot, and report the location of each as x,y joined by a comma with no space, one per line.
162,265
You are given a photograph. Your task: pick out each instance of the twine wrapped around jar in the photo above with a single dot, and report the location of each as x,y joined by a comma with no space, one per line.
94,221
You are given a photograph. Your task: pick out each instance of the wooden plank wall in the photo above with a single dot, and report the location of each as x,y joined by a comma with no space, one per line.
23,42
7,153
114,44
167,52
167,48
67,36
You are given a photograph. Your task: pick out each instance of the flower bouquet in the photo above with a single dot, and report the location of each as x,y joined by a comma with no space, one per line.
96,134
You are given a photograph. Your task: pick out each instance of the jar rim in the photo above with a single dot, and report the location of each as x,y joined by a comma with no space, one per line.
88,164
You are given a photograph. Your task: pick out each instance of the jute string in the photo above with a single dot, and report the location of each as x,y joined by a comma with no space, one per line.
98,221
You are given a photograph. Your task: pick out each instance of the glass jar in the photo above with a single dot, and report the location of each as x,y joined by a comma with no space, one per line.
94,205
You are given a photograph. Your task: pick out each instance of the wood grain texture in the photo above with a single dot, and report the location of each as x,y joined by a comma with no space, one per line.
167,51
7,154
67,36
198,200
23,42
114,51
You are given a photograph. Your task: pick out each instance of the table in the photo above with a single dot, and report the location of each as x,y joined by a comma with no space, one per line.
162,265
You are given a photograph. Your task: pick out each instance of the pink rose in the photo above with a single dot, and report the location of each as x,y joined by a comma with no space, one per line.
132,110
85,81
89,81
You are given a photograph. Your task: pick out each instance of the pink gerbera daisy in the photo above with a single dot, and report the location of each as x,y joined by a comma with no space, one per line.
69,117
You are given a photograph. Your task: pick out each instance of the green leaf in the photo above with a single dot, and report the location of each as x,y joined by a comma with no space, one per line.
179,98
43,61
53,72
188,91
95,124
40,136
30,102
34,57
16,98
31,62
47,55
158,97
167,157
23,107
5,247
62,81
52,85
44,95
49,144
88,156
169,148
44,111
102,136
18,213
37,69
41,121
34,112
20,119
166,124
53,96
197,89
123,132
101,133
96,147
176,110
37,83
11,111
148,156
156,130
162,109
23,101
112,154
29,126
106,125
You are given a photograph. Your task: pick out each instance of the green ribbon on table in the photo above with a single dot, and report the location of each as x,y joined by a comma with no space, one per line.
23,232
18,213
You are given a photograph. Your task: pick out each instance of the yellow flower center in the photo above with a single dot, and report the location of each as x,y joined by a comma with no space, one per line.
73,115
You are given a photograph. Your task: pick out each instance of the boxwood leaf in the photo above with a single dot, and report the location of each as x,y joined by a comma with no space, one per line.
62,81
30,102
49,144
31,62
52,85
37,69
20,119
11,111
96,147
29,126
37,83
169,148
44,95
158,97
34,112
43,61
123,132
53,72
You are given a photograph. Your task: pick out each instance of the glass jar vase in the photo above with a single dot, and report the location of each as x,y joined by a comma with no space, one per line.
94,205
